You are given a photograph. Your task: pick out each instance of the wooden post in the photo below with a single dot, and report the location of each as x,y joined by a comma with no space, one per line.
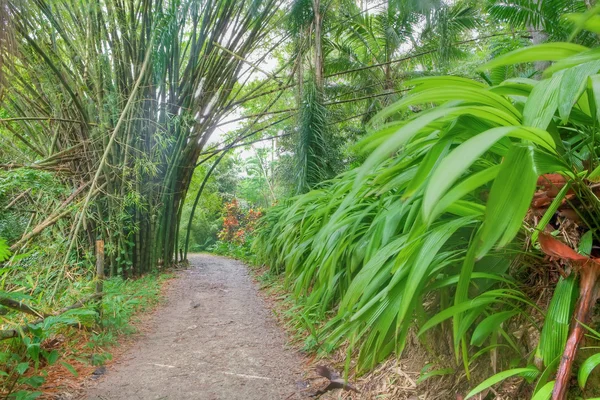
99,276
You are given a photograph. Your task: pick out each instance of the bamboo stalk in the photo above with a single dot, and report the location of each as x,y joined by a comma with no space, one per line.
19,306
107,151
99,277
75,121
16,199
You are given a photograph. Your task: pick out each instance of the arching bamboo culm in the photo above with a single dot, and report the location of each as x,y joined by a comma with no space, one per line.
122,97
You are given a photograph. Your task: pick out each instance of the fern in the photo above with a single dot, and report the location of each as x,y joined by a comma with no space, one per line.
4,250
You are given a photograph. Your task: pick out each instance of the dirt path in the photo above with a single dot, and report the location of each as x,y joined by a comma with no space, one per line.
214,339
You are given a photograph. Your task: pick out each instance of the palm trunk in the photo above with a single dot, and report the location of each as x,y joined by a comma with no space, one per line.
318,25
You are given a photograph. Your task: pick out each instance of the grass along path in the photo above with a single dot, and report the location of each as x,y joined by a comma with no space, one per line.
213,339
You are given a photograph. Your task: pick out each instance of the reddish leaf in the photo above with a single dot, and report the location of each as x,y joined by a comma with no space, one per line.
556,248
552,183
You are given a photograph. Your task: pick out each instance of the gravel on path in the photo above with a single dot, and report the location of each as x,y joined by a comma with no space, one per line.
214,339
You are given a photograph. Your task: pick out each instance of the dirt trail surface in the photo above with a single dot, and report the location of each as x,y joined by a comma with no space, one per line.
214,339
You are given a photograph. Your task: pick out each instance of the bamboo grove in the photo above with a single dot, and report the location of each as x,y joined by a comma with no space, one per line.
120,98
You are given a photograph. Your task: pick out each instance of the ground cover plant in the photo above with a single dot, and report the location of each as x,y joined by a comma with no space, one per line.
46,353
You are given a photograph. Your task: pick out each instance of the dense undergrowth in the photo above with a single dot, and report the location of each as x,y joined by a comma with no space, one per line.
436,233
77,341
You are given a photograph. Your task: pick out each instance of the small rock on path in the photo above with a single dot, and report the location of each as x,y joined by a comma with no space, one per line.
214,339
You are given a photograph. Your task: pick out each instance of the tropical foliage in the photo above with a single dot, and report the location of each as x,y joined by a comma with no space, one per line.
430,228
417,163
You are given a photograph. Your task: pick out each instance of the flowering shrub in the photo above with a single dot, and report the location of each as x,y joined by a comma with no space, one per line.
238,223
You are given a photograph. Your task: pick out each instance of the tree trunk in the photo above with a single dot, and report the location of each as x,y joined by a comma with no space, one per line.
538,36
318,25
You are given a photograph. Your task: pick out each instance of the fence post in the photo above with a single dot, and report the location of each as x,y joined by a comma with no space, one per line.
99,277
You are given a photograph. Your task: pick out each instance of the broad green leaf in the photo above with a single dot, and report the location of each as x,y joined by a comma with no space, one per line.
572,61
398,139
550,211
432,244
572,85
51,357
4,250
69,368
545,392
549,163
585,243
529,371
33,381
437,372
452,167
540,52
594,98
484,350
520,89
556,325
446,93
25,395
429,162
586,369
584,21
33,351
368,272
546,374
376,138
439,81
489,325
476,275
22,367
464,208
454,310
594,176
509,200
494,115
542,102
